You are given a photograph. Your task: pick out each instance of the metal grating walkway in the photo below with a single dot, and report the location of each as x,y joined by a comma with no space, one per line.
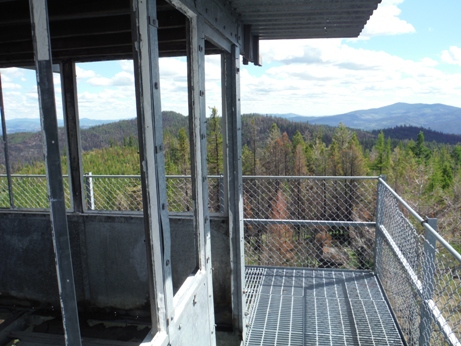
317,307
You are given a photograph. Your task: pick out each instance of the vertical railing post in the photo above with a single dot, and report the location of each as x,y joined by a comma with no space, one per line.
379,222
5,147
89,191
428,268
222,195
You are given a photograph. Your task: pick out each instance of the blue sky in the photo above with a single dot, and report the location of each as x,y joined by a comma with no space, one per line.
409,51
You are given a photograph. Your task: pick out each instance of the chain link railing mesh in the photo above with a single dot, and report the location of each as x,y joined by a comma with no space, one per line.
124,193
4,194
118,193
29,191
109,193
276,234
419,275
179,191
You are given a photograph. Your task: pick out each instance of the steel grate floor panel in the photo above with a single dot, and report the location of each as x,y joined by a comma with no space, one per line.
316,307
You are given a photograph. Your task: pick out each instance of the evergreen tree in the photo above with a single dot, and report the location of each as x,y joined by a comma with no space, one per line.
183,152
456,156
319,157
274,153
381,155
419,149
287,154
247,161
442,171
215,143
400,162
352,160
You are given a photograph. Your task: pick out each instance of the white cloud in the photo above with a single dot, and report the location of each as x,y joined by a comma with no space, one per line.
120,79
108,103
83,73
452,55
12,72
127,65
341,78
385,21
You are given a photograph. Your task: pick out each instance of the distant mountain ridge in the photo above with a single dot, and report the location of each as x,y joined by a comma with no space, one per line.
33,125
437,117
26,147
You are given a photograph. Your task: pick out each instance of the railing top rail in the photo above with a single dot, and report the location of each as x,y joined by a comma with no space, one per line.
116,176
310,177
423,222
291,177
189,176
25,175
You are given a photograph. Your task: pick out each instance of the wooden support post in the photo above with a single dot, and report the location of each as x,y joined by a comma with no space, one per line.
5,146
61,239
71,121
233,137
157,227
197,118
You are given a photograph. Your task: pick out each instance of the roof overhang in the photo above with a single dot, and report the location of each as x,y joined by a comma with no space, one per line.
293,19
90,30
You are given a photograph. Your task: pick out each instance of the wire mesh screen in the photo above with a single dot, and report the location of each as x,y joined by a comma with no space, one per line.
124,193
288,245
309,198
419,274
29,192
4,194
114,193
309,222
179,190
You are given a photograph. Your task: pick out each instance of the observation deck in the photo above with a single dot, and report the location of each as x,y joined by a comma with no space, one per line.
329,260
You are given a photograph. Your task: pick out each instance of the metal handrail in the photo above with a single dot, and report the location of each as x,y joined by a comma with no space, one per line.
423,222
422,283
291,177
309,177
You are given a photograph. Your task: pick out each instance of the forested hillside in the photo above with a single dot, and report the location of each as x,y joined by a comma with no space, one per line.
411,132
427,174
26,147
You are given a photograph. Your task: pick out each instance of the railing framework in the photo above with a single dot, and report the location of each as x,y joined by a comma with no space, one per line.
356,223
419,271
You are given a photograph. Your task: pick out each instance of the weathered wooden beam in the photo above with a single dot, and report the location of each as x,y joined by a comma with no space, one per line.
230,67
72,28
157,227
171,27
218,14
198,140
61,237
72,125
99,41
5,146
17,11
